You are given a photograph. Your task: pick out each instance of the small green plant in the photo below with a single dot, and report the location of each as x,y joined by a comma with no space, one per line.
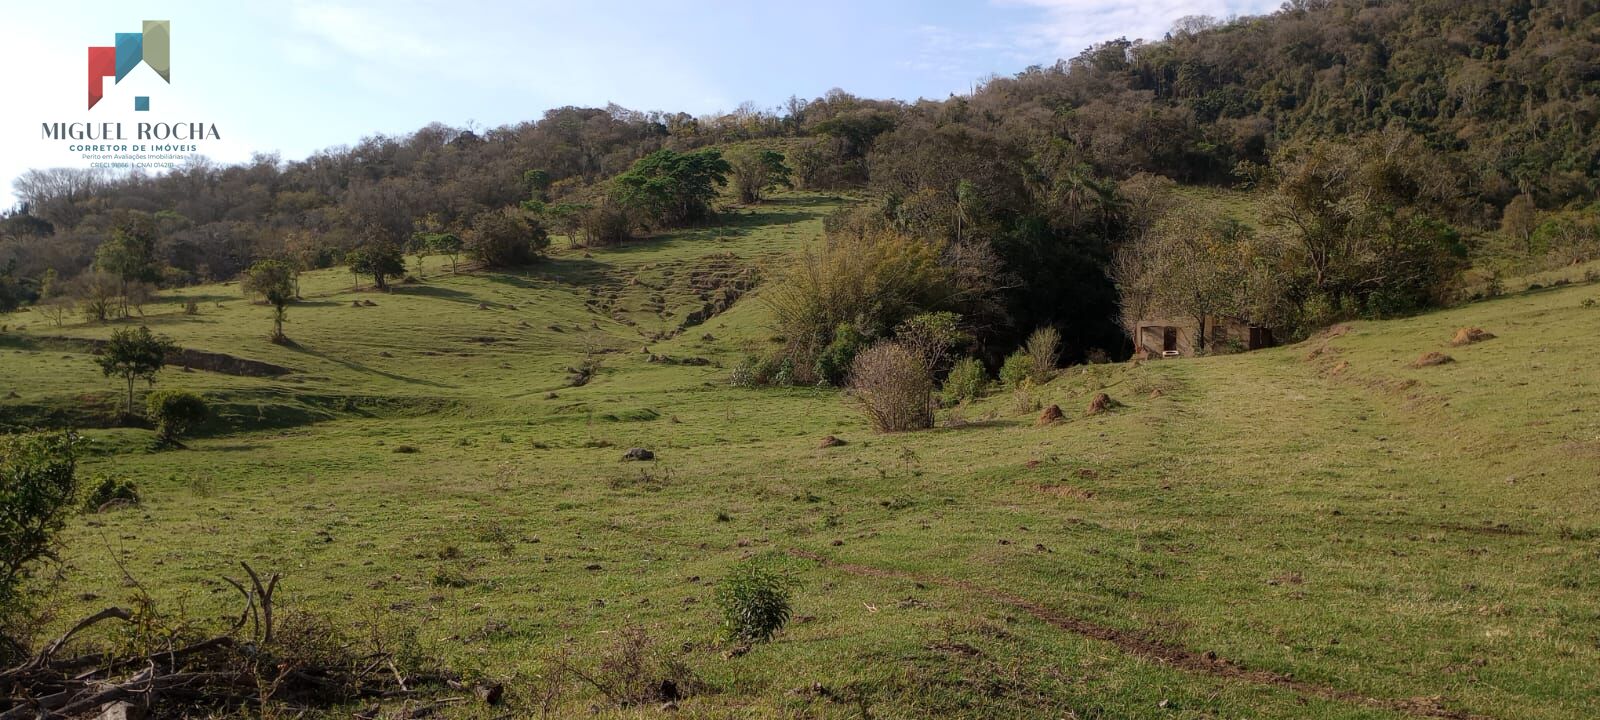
784,376
110,490
202,485
1017,368
175,413
754,599
744,373
967,381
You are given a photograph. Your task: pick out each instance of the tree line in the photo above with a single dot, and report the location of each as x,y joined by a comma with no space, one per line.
1046,172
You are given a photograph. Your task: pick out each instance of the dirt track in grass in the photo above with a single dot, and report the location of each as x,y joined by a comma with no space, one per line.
1208,663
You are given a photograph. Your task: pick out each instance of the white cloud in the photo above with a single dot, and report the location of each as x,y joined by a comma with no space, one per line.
1068,26
365,33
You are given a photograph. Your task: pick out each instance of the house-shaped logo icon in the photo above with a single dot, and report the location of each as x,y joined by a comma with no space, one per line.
152,47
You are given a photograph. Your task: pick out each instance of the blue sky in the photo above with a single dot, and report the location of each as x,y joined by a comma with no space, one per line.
299,75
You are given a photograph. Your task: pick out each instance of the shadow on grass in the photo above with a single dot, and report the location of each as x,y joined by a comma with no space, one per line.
566,270
358,367
439,293
982,425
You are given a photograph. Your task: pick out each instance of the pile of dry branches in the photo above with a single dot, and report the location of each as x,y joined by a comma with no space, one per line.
289,662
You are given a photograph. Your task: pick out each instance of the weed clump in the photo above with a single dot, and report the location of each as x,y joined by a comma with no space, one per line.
108,491
1016,370
754,599
893,387
1044,349
967,381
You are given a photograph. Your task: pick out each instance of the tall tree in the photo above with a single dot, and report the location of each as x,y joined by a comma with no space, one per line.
670,189
378,260
130,252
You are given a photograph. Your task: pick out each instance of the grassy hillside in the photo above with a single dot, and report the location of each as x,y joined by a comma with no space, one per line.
1319,530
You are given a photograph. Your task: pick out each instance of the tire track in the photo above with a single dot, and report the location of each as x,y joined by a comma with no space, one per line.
1206,663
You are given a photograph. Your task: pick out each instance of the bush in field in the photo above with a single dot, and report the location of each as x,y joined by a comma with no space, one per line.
932,336
1044,349
506,238
761,370
833,363
893,387
38,492
744,372
110,489
967,381
754,599
871,282
175,412
1017,368
757,172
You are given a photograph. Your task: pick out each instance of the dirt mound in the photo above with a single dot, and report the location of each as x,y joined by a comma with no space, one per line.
1050,416
1470,335
1100,403
830,441
1430,359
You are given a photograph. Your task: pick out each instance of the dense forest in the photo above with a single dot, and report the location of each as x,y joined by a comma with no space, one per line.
1382,135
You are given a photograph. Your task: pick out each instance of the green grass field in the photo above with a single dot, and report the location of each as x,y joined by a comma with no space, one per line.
1317,530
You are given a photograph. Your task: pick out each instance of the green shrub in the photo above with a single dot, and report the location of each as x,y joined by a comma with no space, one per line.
754,599
872,281
967,381
744,372
175,412
833,363
759,370
1044,349
932,336
506,238
784,376
108,489
39,491
1017,368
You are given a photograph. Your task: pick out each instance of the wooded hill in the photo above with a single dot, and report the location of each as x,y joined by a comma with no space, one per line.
1496,101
